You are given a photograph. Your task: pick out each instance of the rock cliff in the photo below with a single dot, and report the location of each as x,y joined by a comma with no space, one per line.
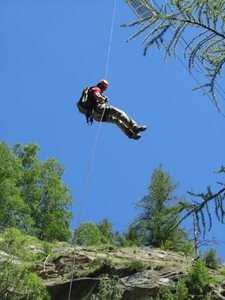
142,272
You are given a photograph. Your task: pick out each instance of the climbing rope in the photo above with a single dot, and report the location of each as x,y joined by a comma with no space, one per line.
91,158
110,39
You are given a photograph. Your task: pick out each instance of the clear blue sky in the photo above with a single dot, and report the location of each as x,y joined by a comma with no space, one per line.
50,50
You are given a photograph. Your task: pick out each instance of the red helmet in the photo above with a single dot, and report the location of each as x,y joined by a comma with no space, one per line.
103,82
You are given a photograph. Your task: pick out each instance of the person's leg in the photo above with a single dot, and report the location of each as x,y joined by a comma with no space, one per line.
126,120
129,133
120,124
121,116
97,113
118,117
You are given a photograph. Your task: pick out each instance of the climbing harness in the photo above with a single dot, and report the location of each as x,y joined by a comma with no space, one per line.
91,159
87,106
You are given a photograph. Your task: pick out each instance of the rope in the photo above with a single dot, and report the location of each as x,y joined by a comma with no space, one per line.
91,160
82,203
110,39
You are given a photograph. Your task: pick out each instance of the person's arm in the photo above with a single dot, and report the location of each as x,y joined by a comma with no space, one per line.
98,96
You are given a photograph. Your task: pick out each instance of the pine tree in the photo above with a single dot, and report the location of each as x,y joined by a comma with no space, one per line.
159,213
106,231
168,26
201,209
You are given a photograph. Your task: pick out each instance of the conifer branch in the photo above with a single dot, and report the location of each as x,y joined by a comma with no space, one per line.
206,46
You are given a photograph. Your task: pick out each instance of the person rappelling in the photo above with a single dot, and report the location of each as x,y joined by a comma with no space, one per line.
94,104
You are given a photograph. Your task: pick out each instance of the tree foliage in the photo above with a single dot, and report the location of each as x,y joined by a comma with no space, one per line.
210,259
106,231
11,202
190,287
17,281
201,208
87,234
131,237
205,20
198,277
159,213
110,289
32,195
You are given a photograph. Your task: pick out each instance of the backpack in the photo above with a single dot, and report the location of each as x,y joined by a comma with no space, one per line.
85,106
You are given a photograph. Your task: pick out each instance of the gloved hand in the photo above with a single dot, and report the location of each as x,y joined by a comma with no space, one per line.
106,99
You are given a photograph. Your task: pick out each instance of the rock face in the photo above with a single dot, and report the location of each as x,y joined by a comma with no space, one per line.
81,288
140,285
161,268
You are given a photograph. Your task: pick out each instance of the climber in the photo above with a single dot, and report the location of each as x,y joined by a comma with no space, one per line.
99,105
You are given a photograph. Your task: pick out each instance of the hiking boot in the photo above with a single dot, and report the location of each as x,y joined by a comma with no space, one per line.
133,135
138,129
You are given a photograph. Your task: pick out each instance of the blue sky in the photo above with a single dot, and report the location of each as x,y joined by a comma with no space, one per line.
50,50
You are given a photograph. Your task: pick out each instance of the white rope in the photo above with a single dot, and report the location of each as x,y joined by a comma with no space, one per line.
90,162
110,39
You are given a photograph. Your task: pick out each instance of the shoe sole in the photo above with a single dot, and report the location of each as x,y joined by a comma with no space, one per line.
135,137
139,130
